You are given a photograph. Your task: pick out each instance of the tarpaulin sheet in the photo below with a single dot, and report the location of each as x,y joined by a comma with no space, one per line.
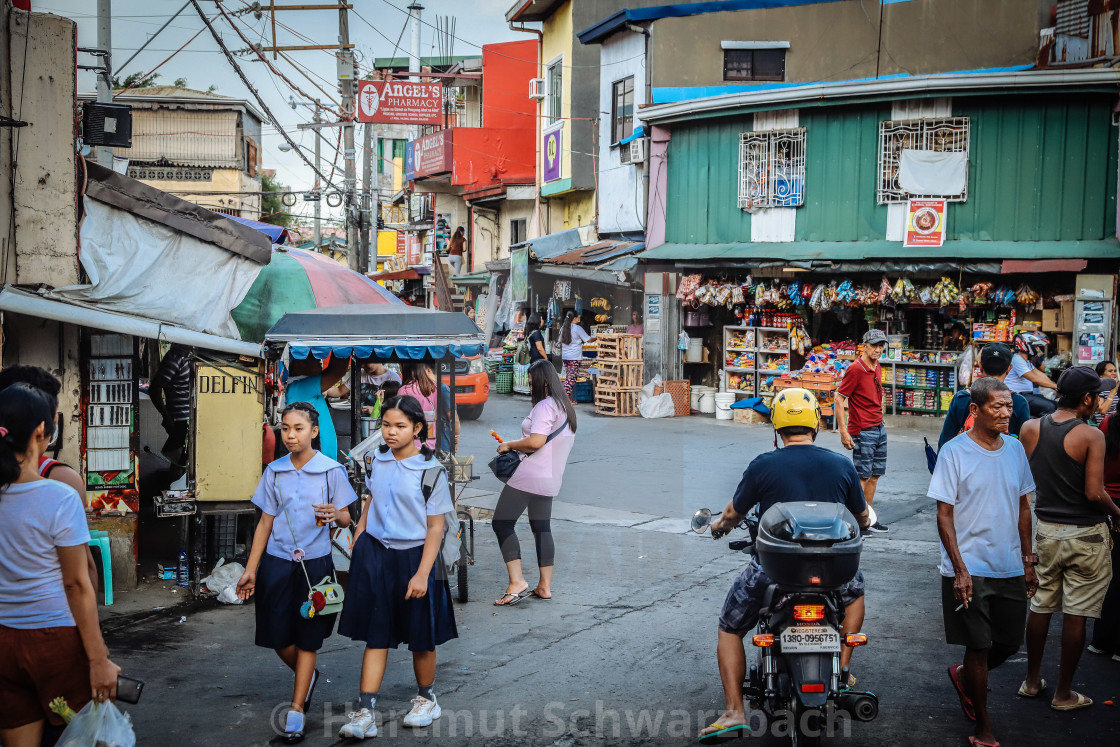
933,173
149,270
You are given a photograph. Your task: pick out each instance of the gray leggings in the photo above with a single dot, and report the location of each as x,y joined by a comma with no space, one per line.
511,504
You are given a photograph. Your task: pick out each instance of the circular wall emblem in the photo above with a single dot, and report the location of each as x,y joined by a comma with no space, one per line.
925,220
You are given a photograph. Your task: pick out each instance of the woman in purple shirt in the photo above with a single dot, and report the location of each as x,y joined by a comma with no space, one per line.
547,436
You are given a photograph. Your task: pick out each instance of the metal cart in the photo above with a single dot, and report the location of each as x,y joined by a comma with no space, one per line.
391,334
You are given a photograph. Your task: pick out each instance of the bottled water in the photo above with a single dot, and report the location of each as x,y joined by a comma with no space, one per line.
182,570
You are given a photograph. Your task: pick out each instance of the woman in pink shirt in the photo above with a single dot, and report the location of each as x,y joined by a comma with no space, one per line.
547,436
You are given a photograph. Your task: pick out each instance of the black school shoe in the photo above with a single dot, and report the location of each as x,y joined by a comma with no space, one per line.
879,528
311,691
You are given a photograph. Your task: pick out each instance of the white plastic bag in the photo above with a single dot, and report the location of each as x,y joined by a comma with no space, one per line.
99,725
682,341
225,576
964,368
648,389
660,406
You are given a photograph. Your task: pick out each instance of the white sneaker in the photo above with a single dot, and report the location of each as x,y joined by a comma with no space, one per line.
362,724
423,712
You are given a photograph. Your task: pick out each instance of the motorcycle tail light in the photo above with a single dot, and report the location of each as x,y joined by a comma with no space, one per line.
812,688
765,640
808,612
855,639
815,580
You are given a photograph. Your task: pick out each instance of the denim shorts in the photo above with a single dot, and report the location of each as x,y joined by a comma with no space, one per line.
744,601
869,452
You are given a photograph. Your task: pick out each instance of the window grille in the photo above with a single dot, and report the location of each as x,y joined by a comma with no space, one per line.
772,169
945,135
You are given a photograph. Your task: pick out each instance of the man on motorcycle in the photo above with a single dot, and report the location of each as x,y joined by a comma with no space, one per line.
1024,377
800,471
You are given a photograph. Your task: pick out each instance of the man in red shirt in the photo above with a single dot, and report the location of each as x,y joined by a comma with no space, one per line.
859,409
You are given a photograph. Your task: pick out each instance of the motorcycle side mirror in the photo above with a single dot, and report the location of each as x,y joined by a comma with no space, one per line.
701,520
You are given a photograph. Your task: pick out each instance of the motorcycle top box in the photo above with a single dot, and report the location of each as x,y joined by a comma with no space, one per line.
809,546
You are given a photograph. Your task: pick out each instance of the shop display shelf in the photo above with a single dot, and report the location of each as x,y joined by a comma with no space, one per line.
738,370
740,350
913,386
921,409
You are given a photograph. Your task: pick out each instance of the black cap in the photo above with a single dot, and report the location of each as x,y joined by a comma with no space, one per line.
1082,380
996,358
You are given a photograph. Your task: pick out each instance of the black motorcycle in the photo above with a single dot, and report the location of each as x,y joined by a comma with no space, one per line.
809,551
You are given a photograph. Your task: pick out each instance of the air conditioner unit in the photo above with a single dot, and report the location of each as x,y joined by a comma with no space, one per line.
638,150
107,124
536,88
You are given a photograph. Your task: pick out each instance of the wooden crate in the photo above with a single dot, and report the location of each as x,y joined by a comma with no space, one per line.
618,375
619,348
619,403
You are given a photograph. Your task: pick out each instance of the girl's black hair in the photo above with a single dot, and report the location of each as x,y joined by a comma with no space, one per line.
22,408
566,330
390,388
416,372
412,410
534,322
543,382
305,407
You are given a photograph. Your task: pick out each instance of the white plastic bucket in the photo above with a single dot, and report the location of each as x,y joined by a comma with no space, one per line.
723,402
695,352
707,400
694,397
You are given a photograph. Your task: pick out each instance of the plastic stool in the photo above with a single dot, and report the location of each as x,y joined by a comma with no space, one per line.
100,540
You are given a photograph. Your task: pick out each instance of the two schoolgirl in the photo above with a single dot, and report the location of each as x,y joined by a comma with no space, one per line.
393,595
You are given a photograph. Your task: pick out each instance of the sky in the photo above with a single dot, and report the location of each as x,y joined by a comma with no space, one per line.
375,27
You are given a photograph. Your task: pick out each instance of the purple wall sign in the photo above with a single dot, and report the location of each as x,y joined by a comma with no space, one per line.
551,154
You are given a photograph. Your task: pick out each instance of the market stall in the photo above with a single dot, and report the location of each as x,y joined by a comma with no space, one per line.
753,332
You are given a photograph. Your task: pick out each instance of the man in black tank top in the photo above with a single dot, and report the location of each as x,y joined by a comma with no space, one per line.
1072,533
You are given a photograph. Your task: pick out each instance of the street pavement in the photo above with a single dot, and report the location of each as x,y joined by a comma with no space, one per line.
624,653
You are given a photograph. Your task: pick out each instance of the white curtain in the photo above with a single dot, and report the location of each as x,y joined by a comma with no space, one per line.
930,172
139,267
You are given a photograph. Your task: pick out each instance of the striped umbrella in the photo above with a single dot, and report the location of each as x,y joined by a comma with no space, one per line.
298,280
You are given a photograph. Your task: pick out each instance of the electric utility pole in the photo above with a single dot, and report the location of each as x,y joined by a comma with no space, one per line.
365,255
104,79
346,88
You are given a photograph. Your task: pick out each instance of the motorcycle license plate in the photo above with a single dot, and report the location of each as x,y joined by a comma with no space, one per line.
810,639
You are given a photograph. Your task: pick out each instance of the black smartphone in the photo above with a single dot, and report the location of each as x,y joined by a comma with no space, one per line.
129,689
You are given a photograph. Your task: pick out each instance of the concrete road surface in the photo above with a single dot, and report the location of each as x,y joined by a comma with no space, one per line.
624,654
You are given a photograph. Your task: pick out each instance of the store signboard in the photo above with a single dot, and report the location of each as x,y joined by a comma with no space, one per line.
400,102
409,161
519,274
925,223
551,151
408,246
432,154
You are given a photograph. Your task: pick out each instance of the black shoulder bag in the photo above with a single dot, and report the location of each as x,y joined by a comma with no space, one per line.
504,465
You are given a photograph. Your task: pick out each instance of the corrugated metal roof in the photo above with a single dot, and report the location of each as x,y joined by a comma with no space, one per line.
848,250
597,253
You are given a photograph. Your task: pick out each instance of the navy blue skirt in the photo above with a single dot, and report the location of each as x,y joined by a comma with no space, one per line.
376,611
281,589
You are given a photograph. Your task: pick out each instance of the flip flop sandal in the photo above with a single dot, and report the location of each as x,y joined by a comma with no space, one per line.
535,595
725,734
1083,701
514,600
966,702
1024,693
977,743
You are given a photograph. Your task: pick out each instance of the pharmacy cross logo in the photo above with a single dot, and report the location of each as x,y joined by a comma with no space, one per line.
370,101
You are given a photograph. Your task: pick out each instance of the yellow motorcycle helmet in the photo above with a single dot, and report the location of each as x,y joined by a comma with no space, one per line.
791,407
